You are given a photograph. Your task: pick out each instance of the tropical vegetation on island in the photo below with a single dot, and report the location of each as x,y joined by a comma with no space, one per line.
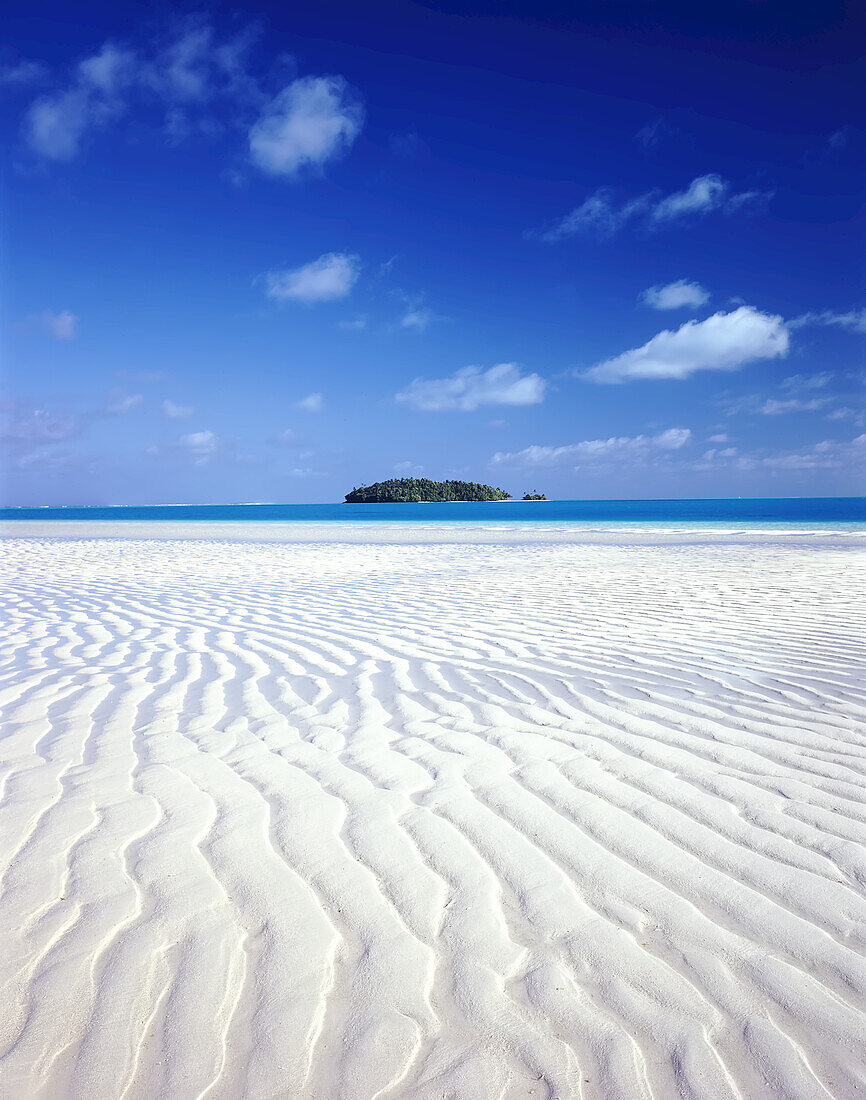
534,496
411,490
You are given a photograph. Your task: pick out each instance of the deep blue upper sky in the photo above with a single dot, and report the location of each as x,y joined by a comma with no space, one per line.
597,249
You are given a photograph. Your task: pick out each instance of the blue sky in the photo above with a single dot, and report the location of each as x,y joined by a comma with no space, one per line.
601,250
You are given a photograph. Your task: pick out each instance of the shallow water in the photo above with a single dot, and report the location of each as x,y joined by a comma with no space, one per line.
737,511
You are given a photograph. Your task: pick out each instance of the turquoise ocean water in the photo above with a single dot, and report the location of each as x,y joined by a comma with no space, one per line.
846,511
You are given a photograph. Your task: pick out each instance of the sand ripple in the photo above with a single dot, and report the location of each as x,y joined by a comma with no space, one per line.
431,821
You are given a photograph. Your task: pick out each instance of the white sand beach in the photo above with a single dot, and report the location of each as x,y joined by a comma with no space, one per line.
533,815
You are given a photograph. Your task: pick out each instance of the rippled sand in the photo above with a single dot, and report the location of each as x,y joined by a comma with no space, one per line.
455,819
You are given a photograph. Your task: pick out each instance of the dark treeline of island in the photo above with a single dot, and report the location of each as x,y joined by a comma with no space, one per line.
418,490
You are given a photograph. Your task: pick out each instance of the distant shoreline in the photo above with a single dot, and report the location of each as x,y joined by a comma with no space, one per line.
5,508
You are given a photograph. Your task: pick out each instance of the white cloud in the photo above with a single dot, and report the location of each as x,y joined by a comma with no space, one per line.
407,467
799,382
22,73
595,450
419,318
313,402
45,458
119,403
62,325
471,387
857,416
182,72
774,407
22,426
809,460
702,195
108,71
199,86
854,320
598,215
176,412
306,471
827,454
675,295
192,71
601,215
55,125
796,394
722,437
749,201
714,453
308,123
200,446
724,341
330,277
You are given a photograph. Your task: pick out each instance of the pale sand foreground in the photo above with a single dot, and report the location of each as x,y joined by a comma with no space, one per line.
457,820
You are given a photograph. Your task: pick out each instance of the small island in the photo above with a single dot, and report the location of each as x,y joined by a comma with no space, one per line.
534,496
421,490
